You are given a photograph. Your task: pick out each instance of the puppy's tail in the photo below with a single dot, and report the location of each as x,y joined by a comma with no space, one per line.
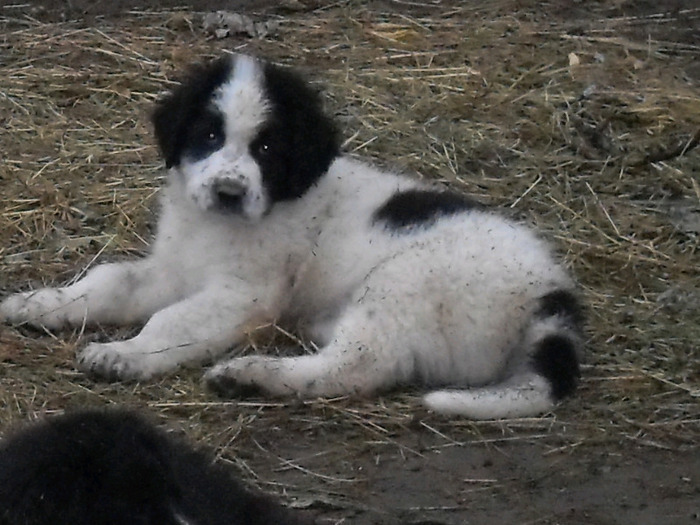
551,372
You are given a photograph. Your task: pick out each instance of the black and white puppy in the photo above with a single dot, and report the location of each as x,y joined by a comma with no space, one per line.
114,468
264,219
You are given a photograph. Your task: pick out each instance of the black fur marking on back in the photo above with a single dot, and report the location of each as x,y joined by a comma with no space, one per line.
406,210
185,123
297,144
556,360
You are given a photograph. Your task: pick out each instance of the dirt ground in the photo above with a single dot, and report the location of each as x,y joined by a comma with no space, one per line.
581,117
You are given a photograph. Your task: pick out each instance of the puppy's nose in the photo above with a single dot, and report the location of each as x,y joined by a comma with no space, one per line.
228,195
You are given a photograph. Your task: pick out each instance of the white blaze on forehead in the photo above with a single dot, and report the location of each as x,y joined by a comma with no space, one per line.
241,99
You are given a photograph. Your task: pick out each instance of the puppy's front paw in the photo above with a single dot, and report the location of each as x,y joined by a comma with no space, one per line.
48,307
117,361
228,380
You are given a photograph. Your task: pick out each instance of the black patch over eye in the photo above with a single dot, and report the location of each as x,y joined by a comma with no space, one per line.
205,136
174,114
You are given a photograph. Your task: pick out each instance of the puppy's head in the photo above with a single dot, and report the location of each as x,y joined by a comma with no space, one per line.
244,134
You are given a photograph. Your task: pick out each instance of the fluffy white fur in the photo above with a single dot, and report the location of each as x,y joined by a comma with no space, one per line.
450,304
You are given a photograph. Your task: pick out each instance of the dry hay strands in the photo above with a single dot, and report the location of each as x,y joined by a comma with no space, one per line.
662,154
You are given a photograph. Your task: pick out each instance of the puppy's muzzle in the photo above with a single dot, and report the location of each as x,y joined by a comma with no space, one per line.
227,195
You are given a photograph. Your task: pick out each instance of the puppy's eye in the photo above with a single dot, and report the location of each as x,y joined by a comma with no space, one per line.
263,149
212,136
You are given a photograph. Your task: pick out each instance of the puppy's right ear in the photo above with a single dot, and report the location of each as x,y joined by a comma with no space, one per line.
167,124
178,109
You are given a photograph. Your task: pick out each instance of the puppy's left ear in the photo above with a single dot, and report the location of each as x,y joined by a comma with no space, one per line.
312,137
317,141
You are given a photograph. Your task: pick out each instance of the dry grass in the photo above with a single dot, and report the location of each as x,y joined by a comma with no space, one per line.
589,134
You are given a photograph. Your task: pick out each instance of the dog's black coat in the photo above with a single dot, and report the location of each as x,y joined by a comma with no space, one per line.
113,468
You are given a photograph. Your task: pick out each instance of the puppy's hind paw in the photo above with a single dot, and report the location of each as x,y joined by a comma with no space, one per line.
220,381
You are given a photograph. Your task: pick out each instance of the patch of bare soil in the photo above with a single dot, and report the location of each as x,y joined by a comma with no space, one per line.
582,118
